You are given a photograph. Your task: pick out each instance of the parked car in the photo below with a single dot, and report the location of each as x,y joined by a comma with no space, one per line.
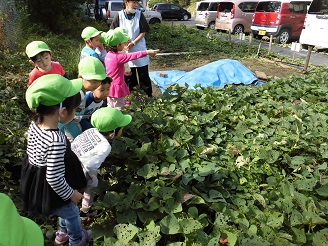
283,19
206,14
315,30
235,15
113,7
172,11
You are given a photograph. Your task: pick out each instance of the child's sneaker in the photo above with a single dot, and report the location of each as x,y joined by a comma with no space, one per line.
61,237
127,103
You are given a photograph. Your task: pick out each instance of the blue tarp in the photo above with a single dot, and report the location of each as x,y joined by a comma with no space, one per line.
218,74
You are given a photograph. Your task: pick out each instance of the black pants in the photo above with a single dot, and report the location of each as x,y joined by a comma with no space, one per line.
144,80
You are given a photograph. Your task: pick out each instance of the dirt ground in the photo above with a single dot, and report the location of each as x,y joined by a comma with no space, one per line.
262,68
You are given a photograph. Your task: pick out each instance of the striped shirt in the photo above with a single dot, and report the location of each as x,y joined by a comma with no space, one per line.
47,148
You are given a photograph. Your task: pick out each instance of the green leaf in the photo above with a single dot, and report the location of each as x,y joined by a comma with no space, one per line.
323,190
144,150
275,219
148,171
170,225
260,199
125,232
306,184
299,235
320,238
190,226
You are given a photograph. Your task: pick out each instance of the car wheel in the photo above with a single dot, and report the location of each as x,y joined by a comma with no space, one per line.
238,29
185,17
283,37
154,21
211,25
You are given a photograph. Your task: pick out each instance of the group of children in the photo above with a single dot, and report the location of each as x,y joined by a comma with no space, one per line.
68,138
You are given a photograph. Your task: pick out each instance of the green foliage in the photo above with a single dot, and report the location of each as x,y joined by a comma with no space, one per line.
243,163
246,163
54,14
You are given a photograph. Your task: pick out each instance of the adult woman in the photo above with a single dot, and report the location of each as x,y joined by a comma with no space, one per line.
136,26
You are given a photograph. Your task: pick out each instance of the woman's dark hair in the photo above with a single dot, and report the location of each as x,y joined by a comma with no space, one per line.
71,103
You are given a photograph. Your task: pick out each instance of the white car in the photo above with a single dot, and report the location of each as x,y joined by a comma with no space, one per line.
113,7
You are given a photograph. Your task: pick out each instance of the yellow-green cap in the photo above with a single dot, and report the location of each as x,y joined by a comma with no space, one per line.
107,119
115,37
15,229
36,47
91,68
51,89
90,32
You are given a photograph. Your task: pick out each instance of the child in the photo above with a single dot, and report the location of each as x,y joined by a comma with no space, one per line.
40,57
51,172
91,36
92,148
95,100
114,63
92,71
15,229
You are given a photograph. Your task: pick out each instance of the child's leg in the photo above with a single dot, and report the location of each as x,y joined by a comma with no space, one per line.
87,201
69,221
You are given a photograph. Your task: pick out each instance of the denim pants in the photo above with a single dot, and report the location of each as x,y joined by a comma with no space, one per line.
69,221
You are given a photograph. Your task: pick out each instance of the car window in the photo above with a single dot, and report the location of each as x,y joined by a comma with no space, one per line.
298,8
174,7
213,7
203,6
116,6
248,7
225,7
319,7
273,6
163,6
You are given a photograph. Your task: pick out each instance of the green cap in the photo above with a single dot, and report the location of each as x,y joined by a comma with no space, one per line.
107,119
89,32
115,37
36,47
91,68
15,229
51,89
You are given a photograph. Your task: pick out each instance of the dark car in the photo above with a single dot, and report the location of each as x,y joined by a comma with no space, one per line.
172,11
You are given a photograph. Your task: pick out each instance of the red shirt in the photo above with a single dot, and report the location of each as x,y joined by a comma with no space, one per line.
36,73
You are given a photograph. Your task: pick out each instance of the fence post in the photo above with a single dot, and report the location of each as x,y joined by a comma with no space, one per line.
310,47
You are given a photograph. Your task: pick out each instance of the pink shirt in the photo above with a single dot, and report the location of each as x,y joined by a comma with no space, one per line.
114,63
36,73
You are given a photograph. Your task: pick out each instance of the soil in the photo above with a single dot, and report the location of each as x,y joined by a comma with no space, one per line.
261,67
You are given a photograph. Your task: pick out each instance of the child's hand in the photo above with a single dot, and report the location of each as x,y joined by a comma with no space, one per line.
152,52
76,197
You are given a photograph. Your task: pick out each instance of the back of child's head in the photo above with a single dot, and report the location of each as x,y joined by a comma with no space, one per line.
108,119
114,37
89,33
91,68
49,91
36,47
